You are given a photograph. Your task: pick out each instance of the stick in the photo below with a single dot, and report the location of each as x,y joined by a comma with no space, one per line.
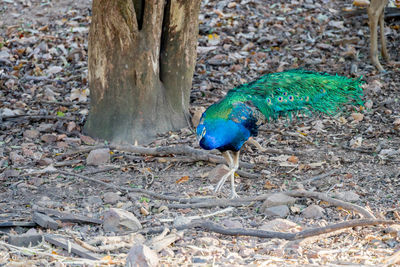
320,176
336,202
37,117
196,217
216,228
196,154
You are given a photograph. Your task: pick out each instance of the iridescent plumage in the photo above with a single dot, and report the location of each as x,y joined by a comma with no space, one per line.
228,124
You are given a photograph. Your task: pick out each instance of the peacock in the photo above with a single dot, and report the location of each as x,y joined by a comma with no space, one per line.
229,123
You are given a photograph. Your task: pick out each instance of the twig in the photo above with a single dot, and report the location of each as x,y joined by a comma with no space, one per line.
367,151
336,202
79,151
320,176
395,258
202,216
196,154
67,163
217,228
37,117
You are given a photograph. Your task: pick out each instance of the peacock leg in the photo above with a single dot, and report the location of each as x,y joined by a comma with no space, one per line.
229,160
235,166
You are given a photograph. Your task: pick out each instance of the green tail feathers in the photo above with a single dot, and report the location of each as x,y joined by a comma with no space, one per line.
281,94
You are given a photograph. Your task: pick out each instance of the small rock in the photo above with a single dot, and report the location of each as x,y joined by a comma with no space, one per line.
277,211
141,255
277,200
119,220
313,212
16,158
71,126
87,140
216,174
98,156
25,240
62,145
111,198
72,141
347,196
281,225
44,161
31,134
45,127
45,221
232,224
49,138
246,252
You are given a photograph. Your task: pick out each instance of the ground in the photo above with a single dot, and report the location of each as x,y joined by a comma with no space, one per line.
44,102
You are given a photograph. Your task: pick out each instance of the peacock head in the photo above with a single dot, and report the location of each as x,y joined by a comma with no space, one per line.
221,134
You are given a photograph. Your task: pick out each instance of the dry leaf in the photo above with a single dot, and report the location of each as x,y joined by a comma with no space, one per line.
182,179
293,159
357,116
268,185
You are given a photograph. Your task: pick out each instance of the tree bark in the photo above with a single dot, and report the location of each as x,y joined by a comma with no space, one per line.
141,61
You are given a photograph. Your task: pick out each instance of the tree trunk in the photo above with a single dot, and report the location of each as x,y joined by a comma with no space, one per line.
141,61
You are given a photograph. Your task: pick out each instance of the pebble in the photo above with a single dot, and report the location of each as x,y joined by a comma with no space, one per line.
216,174
141,255
98,156
31,134
48,138
349,196
278,199
119,220
111,198
277,211
280,225
313,212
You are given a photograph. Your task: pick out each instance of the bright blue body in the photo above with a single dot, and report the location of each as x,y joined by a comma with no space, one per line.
228,134
222,135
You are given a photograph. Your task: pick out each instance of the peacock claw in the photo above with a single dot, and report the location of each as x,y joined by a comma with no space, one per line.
234,195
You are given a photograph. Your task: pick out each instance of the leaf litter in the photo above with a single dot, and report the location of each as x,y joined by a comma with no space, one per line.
44,103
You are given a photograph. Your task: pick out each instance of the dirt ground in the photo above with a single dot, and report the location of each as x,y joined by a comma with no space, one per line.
353,157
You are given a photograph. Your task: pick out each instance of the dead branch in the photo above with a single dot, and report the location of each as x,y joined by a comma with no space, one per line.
217,228
320,176
36,117
195,154
394,259
336,202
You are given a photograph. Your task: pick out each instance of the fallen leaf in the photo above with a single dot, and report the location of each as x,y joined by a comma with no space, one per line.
293,159
182,179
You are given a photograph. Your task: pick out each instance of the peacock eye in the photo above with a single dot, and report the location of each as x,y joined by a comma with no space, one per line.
285,93
307,98
280,99
268,101
323,90
291,98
